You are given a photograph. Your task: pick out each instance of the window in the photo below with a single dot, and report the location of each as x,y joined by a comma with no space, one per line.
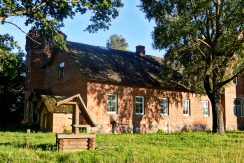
139,105
61,70
205,107
238,108
112,104
164,106
186,107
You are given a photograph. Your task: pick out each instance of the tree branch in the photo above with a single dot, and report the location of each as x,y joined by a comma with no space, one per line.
180,84
221,84
22,32
20,12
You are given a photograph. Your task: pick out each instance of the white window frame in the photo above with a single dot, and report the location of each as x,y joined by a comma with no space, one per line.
137,102
162,107
241,107
116,104
188,108
205,107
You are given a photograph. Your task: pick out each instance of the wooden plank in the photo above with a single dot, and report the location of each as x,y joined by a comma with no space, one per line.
74,147
74,136
73,150
69,103
67,100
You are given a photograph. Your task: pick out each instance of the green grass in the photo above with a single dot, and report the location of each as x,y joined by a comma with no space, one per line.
161,147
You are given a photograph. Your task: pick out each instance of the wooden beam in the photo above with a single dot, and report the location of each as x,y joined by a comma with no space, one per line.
66,103
70,99
82,102
77,119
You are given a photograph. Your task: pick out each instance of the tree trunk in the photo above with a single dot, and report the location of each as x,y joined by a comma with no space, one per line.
219,111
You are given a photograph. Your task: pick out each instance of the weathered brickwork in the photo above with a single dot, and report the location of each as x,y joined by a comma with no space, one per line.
71,84
232,92
43,75
61,122
151,120
240,94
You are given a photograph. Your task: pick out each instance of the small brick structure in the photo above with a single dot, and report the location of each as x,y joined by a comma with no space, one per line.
75,142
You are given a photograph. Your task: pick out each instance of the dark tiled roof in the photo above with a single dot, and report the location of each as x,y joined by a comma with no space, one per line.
100,64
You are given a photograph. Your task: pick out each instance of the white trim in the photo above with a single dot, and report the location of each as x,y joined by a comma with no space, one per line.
188,108
164,114
203,105
142,105
116,104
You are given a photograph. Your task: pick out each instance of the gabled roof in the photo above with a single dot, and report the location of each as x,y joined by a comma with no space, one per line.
79,101
50,104
99,64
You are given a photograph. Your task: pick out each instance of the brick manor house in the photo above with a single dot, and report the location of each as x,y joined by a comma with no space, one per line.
121,90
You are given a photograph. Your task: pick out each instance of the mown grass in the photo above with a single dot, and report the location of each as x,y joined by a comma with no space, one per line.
160,147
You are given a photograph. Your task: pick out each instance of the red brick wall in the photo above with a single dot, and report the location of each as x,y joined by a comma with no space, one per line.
71,84
36,58
61,122
231,92
47,78
240,86
152,120
240,94
230,95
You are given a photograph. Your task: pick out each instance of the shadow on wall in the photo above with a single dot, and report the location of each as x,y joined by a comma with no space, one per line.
240,94
126,117
240,123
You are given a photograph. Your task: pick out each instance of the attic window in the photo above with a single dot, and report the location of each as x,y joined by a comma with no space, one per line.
61,70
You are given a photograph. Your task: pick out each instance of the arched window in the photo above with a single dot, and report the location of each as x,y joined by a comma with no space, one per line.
238,108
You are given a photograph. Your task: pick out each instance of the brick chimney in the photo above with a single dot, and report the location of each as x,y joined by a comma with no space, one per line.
140,50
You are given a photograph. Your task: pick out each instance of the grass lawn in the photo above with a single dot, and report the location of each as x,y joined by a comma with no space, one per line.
160,147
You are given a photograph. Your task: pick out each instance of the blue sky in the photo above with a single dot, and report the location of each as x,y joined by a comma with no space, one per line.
131,24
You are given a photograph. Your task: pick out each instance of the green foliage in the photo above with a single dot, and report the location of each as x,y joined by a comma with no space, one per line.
117,42
67,132
49,14
205,42
163,147
11,81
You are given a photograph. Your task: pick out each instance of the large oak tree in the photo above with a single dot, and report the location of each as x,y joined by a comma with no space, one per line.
206,37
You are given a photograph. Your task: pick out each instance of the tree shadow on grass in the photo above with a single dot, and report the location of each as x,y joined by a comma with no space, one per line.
43,147
18,128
